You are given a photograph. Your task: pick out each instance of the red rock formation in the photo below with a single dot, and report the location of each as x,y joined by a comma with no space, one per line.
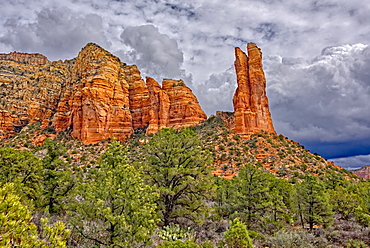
96,106
251,110
138,96
363,172
6,124
35,58
185,110
159,113
95,95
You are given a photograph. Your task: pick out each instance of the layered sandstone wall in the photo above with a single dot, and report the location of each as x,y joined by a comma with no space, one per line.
184,106
251,109
34,59
95,95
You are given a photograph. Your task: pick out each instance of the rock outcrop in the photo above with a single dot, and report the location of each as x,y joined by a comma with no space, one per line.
34,59
363,172
251,109
159,113
184,106
95,95
96,103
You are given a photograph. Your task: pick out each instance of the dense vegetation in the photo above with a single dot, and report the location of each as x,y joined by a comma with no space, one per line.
158,191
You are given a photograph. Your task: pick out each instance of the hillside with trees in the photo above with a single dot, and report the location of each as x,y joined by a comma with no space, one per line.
198,187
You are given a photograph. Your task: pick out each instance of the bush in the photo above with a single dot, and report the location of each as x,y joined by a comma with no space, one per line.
237,236
180,244
291,239
352,243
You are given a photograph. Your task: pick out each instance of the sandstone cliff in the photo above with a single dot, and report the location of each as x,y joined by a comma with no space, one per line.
363,172
95,95
95,104
251,110
184,107
34,59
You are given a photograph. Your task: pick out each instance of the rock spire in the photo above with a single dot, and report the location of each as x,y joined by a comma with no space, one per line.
251,109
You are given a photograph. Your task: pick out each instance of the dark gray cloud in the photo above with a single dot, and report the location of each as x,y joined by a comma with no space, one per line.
156,53
323,101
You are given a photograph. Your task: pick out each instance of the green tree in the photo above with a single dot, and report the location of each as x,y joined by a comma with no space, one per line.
58,179
251,194
23,169
344,202
115,208
362,211
17,229
223,199
237,235
312,203
176,164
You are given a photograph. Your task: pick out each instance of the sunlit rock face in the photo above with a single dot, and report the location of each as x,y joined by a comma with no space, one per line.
251,109
95,95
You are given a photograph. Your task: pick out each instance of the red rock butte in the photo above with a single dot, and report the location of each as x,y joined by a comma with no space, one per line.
251,109
95,95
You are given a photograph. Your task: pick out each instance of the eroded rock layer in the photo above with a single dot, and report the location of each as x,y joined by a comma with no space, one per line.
184,107
251,109
95,95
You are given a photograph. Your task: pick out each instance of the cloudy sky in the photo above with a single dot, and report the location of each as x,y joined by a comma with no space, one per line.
316,55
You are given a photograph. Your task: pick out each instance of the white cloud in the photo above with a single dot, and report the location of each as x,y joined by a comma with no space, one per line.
58,33
217,92
352,163
321,99
324,100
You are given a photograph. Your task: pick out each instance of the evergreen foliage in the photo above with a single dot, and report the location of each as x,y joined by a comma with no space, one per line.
23,169
58,179
17,228
114,208
176,164
237,235
313,204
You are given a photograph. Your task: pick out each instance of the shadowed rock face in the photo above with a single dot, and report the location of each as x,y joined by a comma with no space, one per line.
95,95
251,109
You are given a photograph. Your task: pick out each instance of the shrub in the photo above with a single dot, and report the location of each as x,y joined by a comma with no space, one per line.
237,235
352,243
180,244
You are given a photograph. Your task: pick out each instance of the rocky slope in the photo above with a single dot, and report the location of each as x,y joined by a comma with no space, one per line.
95,95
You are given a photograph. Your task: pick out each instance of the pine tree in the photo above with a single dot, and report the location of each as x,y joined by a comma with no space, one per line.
114,207
58,178
176,164
23,169
251,198
17,228
313,204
